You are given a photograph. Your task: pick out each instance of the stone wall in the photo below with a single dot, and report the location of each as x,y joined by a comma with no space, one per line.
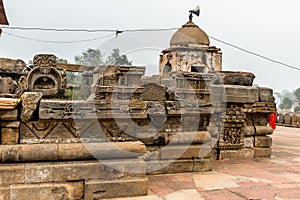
130,126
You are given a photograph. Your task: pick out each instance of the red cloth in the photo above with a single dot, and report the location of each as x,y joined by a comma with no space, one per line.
272,120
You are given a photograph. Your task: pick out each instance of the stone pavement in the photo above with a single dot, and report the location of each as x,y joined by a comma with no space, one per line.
276,178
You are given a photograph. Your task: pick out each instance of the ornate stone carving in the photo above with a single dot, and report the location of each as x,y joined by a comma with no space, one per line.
45,77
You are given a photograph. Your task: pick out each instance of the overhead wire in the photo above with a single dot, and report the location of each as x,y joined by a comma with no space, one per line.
58,42
255,54
84,30
117,32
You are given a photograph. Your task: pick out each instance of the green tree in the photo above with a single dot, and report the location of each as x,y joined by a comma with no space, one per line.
90,57
116,59
62,61
297,94
297,109
286,103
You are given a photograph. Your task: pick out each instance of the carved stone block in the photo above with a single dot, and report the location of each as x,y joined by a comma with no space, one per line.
47,132
9,136
30,101
153,92
266,94
262,152
186,152
248,142
241,94
45,77
198,137
245,153
12,174
263,141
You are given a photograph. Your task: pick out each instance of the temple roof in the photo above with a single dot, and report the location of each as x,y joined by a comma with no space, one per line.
189,34
3,19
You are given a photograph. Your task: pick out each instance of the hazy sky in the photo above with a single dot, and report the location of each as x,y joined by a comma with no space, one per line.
270,28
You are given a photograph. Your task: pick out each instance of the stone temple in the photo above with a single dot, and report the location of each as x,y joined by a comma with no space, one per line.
130,126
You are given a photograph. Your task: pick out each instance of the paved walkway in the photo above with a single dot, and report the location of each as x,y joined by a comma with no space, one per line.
276,178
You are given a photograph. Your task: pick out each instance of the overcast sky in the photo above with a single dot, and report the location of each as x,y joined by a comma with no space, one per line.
267,27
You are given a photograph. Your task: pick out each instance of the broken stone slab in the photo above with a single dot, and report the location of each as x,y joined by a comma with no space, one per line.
235,78
8,85
128,187
9,115
30,101
266,94
73,151
8,103
10,66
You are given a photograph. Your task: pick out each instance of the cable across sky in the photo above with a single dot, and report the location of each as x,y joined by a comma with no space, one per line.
117,32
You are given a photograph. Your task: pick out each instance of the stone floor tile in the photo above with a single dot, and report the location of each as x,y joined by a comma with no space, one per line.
257,192
184,194
221,195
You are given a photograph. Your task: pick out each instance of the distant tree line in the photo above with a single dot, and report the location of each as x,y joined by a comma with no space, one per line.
94,57
287,98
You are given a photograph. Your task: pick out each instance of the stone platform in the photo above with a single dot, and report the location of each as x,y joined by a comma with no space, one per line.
272,178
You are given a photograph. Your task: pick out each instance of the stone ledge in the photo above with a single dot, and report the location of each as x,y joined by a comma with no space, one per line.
69,190
70,171
73,151
239,154
8,103
262,152
178,166
128,187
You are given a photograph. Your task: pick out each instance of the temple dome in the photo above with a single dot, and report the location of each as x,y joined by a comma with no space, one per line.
190,34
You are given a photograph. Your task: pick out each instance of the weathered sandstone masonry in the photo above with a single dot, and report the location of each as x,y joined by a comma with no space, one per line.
130,126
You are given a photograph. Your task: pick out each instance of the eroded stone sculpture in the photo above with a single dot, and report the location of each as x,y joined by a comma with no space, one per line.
45,77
